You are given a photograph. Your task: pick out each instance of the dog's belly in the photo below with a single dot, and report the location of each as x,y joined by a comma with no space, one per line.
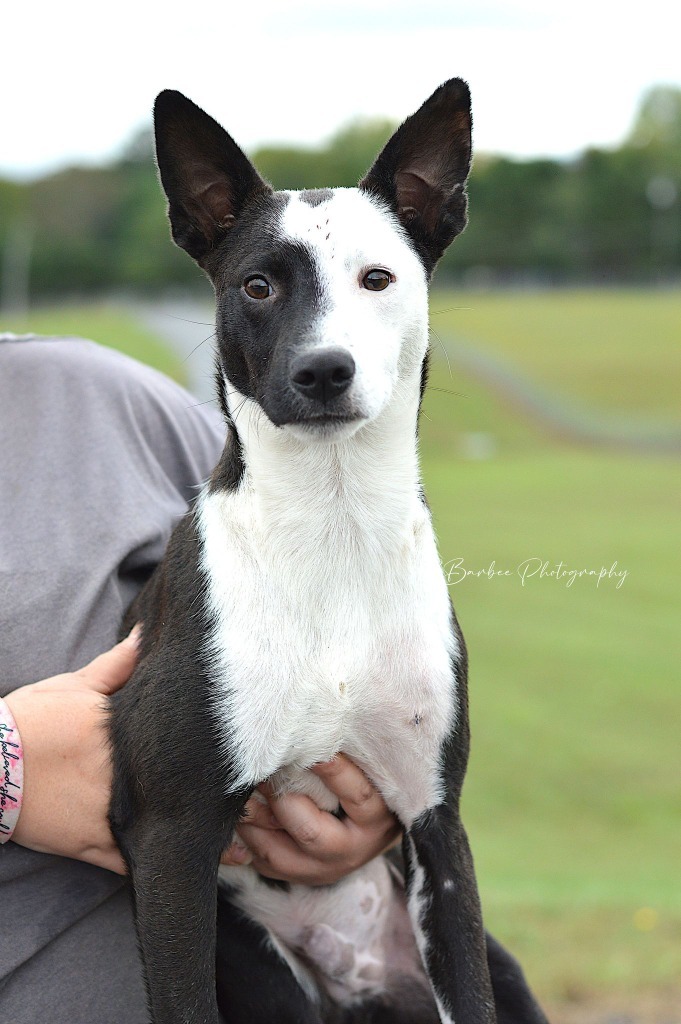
352,939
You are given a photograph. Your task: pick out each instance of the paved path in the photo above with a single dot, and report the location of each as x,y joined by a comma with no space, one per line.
559,415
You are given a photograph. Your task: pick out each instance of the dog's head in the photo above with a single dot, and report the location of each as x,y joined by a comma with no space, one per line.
322,294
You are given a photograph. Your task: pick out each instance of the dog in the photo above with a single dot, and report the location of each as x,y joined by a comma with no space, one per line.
301,609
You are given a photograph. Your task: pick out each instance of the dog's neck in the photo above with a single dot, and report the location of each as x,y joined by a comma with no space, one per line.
362,490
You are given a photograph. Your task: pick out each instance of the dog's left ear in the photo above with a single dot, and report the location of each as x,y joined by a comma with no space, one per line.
207,178
421,172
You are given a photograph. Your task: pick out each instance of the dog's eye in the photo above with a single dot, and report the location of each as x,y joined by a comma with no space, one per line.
257,288
376,280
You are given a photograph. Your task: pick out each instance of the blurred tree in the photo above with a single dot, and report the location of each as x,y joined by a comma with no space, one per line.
342,162
519,213
353,150
610,215
16,246
658,121
656,139
287,167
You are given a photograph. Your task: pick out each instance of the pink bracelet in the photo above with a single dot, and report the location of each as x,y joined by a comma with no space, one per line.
11,773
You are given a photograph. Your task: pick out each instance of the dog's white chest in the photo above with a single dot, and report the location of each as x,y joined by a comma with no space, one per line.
327,654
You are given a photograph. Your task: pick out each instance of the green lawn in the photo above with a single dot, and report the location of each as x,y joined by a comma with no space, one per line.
616,350
110,324
572,797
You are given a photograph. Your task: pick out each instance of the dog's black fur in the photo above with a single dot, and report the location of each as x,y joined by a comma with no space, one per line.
172,811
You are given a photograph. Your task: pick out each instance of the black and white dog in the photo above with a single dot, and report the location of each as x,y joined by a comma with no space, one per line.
301,609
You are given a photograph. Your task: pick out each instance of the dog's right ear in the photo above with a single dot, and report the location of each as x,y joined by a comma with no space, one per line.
207,178
421,173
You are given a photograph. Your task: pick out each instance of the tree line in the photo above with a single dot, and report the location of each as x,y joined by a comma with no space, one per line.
608,216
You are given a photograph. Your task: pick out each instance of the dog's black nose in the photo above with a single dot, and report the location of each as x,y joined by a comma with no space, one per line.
323,375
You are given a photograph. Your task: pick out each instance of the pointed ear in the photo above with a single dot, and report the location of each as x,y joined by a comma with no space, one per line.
422,170
207,178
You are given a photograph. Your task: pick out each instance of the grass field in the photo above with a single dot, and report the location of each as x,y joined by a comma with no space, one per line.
572,797
620,351
572,800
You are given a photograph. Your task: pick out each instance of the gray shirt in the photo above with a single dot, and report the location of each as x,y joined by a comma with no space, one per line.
99,456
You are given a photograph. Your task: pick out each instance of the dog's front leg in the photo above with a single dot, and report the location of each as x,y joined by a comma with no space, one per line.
445,910
174,874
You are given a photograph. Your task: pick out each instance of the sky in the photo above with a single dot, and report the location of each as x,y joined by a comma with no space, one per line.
547,79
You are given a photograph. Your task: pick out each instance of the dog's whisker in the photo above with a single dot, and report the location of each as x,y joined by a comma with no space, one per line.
196,347
442,346
199,323
450,309
208,401
446,391
238,409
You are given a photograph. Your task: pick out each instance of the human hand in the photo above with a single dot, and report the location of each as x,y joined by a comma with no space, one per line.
67,767
289,837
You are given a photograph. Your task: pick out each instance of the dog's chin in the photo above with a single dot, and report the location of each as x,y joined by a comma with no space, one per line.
324,430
